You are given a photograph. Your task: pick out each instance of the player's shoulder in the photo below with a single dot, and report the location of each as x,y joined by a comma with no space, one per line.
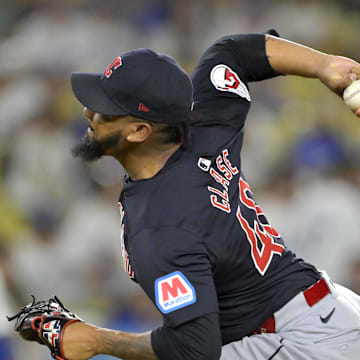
220,63
220,83
217,48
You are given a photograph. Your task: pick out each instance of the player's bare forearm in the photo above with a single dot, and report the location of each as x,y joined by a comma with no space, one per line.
83,341
127,346
290,58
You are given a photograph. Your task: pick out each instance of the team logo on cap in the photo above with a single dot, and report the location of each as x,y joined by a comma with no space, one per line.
113,66
225,79
173,291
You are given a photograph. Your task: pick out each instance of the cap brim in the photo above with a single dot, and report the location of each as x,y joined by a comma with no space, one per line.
88,90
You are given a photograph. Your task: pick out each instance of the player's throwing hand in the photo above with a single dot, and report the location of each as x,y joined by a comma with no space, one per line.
338,73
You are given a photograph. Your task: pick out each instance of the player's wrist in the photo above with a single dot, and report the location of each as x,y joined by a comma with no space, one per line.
323,66
338,72
81,341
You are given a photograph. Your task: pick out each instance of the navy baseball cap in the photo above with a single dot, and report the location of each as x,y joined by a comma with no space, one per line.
141,83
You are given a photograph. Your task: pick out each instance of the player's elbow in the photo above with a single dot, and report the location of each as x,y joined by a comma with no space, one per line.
204,349
211,350
208,342
198,339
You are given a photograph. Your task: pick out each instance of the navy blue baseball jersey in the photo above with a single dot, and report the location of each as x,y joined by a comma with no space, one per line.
193,236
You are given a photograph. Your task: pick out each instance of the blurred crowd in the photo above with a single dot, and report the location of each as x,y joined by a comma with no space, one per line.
59,223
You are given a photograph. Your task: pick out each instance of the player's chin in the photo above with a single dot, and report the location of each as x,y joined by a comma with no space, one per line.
357,112
88,149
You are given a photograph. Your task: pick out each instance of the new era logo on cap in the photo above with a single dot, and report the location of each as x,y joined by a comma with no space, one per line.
174,291
143,108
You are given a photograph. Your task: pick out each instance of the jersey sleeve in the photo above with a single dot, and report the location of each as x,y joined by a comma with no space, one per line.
222,75
173,268
195,340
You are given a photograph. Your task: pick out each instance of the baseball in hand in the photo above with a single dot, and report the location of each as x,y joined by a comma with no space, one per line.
352,95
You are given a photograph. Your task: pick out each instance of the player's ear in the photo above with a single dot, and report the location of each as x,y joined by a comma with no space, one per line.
138,131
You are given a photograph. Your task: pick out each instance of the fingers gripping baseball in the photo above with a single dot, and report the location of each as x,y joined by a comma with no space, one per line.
351,94
356,70
338,73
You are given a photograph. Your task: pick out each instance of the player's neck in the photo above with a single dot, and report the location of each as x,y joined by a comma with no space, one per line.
145,163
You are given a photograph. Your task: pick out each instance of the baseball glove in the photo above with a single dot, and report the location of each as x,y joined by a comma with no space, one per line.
44,322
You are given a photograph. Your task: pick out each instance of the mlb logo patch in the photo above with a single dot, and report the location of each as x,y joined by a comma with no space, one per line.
173,291
204,164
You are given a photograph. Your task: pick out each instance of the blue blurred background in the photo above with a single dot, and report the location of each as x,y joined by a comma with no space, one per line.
59,223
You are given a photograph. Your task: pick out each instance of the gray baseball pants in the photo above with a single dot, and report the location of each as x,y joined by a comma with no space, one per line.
328,330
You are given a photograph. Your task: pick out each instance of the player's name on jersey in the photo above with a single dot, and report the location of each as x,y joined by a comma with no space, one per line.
223,174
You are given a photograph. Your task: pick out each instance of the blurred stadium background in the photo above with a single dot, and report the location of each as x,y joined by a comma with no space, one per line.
59,223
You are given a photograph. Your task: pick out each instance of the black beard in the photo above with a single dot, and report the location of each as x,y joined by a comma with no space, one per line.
90,149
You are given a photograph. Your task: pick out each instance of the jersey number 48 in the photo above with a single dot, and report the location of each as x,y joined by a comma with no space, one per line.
261,233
